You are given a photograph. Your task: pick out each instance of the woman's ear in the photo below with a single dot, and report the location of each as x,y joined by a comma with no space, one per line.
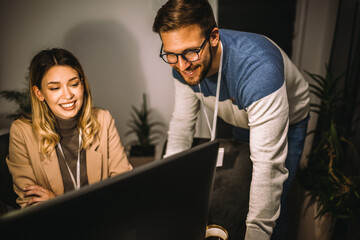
214,37
38,93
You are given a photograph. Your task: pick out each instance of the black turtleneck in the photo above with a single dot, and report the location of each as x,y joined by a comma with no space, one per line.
69,140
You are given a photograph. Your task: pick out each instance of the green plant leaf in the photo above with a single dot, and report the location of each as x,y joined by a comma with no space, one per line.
317,78
21,98
142,127
316,94
317,89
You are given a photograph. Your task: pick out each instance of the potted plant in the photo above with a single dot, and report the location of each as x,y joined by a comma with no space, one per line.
21,98
146,134
330,177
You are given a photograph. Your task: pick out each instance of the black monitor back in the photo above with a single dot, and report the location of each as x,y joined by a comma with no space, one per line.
165,199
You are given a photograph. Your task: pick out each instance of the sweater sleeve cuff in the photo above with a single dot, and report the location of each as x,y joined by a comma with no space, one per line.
256,234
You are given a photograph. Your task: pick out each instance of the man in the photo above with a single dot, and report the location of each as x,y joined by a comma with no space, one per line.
261,93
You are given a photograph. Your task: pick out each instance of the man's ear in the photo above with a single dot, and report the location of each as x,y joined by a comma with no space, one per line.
214,37
38,93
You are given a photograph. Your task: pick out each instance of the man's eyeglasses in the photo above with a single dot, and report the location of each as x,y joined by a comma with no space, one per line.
188,55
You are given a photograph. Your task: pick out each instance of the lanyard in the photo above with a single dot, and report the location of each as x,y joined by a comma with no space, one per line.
77,182
213,129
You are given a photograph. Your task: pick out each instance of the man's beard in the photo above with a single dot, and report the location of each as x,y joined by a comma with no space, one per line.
194,81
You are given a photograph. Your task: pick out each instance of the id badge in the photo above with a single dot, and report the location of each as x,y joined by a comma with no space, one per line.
220,157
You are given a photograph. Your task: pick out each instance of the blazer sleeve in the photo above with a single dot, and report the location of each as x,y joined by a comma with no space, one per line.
19,163
117,159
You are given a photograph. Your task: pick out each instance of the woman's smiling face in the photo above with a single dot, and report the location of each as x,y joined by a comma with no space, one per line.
62,90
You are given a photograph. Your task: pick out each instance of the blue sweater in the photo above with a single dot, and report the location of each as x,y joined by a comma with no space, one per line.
261,90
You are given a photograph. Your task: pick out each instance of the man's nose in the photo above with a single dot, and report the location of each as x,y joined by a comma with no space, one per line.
182,63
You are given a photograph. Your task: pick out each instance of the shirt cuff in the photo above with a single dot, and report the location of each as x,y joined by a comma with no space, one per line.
255,234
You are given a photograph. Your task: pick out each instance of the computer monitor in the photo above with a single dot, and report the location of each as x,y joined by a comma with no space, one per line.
165,199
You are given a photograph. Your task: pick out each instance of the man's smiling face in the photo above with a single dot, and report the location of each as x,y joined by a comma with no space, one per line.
188,38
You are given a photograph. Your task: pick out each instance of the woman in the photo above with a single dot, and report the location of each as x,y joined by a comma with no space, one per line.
65,143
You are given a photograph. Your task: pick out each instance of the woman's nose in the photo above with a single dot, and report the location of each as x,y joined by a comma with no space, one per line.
67,93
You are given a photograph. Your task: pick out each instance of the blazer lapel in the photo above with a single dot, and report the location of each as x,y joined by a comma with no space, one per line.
94,163
53,173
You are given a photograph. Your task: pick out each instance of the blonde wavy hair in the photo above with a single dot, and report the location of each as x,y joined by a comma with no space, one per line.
42,118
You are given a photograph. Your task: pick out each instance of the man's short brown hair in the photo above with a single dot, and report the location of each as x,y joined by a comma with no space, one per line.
175,14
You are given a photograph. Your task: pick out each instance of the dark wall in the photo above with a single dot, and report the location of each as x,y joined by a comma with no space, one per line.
272,18
345,59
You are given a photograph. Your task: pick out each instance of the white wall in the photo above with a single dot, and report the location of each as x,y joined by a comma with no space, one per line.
313,38
113,40
119,52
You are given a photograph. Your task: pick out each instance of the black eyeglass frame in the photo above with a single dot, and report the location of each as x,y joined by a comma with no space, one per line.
182,54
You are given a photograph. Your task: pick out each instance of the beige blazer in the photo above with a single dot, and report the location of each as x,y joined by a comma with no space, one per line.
104,158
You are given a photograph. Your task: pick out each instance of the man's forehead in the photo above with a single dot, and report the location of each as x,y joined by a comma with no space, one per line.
182,39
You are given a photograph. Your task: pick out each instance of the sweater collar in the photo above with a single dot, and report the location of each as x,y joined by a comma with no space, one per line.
67,126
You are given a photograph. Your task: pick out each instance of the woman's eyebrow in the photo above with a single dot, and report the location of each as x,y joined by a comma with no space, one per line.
71,79
74,78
